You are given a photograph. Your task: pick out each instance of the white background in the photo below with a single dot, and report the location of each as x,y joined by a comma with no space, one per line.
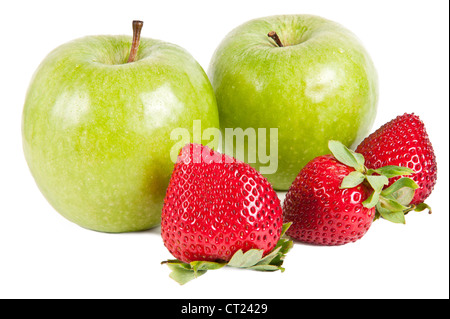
42,255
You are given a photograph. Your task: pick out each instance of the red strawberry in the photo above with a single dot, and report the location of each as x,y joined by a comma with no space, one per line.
216,206
403,142
323,213
332,201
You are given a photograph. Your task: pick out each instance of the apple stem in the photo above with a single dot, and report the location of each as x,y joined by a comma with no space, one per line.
137,27
274,36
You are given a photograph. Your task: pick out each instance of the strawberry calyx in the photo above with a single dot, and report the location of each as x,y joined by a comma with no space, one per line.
252,259
392,203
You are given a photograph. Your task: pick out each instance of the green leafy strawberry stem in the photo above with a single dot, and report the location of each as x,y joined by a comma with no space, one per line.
252,259
391,203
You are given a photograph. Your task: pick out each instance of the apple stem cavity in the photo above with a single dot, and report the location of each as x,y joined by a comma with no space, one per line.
276,38
137,27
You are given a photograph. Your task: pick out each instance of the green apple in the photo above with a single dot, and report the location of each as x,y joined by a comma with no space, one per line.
307,76
96,127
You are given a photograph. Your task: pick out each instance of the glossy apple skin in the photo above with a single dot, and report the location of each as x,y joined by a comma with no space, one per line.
96,130
321,85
